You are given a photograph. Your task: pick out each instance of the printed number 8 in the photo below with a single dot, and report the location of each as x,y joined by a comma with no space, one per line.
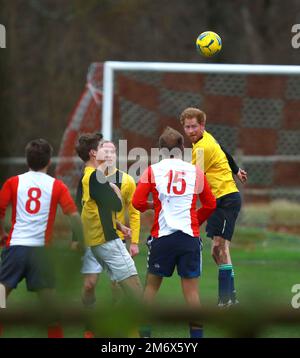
33,198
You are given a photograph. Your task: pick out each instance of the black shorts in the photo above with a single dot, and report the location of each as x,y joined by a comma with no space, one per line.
175,250
222,221
31,263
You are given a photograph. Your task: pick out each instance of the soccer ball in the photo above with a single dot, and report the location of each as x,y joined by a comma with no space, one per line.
208,43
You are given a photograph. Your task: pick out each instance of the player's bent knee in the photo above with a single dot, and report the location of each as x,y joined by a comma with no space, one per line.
89,287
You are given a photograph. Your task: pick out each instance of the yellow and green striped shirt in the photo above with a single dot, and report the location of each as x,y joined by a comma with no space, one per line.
127,185
99,205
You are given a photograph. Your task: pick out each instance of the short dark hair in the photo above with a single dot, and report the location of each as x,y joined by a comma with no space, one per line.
86,143
38,154
170,139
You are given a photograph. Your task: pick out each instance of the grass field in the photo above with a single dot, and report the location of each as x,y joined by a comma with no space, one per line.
266,265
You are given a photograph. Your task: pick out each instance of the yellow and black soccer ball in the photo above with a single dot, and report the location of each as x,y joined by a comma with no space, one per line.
208,43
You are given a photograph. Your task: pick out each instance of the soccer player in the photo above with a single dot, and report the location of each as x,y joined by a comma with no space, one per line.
174,242
86,149
127,186
34,197
220,226
101,200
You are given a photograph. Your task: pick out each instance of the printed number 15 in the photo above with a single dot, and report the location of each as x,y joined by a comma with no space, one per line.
178,178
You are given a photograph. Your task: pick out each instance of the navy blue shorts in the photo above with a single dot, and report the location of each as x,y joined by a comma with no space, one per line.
175,250
31,263
222,221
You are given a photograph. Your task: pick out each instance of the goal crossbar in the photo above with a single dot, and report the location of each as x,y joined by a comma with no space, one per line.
111,66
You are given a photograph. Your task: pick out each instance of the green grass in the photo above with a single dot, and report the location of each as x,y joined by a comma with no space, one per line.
266,266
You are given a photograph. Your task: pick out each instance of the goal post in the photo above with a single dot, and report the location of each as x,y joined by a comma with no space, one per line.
251,109
110,67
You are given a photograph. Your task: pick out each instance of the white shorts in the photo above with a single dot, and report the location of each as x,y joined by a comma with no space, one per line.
115,259
90,263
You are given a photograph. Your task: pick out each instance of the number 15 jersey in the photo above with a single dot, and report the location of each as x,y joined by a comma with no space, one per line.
34,197
175,186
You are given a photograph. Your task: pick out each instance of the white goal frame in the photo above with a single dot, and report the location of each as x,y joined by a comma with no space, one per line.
110,67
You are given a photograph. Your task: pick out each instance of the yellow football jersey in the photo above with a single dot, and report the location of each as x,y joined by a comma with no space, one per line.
209,156
99,206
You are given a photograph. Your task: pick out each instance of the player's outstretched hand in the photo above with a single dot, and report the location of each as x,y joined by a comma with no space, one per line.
133,250
126,231
242,175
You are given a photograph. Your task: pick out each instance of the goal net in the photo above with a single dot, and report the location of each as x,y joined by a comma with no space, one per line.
253,111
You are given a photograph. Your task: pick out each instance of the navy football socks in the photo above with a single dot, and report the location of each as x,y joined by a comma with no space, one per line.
225,283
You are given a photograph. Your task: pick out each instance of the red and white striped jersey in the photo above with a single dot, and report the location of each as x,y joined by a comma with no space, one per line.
34,197
175,186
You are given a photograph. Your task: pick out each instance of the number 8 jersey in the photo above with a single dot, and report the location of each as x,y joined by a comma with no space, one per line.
175,185
34,197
